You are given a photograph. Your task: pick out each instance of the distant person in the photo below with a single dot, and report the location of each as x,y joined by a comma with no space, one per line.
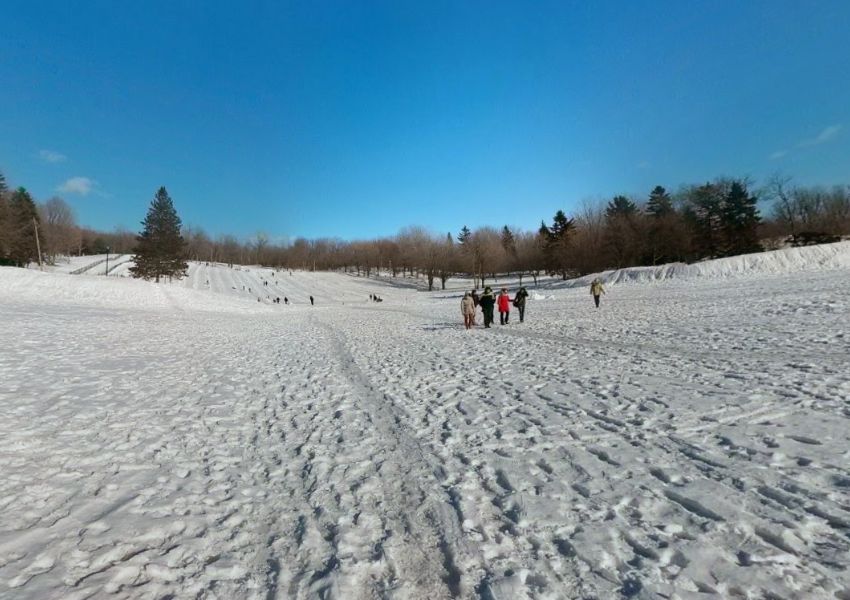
467,309
370,297
487,301
286,300
519,302
312,303
504,301
596,290
475,299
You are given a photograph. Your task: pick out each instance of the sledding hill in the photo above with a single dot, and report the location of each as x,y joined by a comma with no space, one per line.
687,439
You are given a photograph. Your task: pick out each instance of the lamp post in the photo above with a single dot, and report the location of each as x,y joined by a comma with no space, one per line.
107,262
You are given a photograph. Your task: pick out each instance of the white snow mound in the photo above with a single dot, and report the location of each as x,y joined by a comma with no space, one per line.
788,260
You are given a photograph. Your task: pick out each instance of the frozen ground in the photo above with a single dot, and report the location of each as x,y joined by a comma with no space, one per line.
688,440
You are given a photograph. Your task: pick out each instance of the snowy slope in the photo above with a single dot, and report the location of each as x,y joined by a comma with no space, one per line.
86,264
687,440
775,262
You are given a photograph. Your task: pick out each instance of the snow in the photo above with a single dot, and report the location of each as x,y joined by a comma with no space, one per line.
687,440
86,264
785,261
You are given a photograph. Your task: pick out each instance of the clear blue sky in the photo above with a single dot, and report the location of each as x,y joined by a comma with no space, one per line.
353,119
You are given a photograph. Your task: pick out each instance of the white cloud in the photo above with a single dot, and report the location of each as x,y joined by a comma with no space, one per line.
50,156
77,185
824,136
778,154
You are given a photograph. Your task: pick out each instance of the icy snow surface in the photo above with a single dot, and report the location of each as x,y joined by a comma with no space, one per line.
687,440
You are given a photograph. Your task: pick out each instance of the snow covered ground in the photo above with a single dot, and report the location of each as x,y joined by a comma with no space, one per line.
688,440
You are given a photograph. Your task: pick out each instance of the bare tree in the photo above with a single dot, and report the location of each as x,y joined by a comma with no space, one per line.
59,227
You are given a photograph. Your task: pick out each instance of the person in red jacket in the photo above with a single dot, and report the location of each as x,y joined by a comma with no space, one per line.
504,301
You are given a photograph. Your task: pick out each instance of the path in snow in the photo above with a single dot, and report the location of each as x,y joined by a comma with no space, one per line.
687,440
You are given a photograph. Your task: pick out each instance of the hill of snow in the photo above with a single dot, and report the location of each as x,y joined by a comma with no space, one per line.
689,439
775,262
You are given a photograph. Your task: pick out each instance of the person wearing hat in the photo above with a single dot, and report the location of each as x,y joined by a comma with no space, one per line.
487,301
504,306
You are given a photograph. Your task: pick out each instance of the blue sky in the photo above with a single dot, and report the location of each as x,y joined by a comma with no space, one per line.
354,119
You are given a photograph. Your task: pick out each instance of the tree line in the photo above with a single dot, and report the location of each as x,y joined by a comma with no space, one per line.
710,220
714,219
51,226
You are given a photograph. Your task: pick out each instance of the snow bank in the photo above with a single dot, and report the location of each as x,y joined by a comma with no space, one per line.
37,288
788,260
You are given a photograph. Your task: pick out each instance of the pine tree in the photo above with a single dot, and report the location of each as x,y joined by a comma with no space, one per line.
22,220
620,206
666,240
508,241
740,218
557,239
464,235
160,249
704,213
4,221
621,236
659,204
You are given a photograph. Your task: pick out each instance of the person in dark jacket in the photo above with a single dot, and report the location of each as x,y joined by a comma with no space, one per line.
519,302
487,302
311,301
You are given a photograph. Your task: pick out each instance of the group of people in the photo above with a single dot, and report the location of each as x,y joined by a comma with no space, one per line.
487,301
375,298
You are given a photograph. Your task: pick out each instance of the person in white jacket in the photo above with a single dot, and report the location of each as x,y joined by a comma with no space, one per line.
467,309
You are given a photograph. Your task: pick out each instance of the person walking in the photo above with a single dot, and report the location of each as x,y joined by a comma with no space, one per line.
487,301
596,290
311,301
467,309
476,302
504,306
519,302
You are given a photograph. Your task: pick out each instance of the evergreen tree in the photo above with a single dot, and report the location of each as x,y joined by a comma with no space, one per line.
508,241
659,204
557,239
22,220
704,213
740,218
4,221
667,237
621,236
160,249
561,226
464,235
620,206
